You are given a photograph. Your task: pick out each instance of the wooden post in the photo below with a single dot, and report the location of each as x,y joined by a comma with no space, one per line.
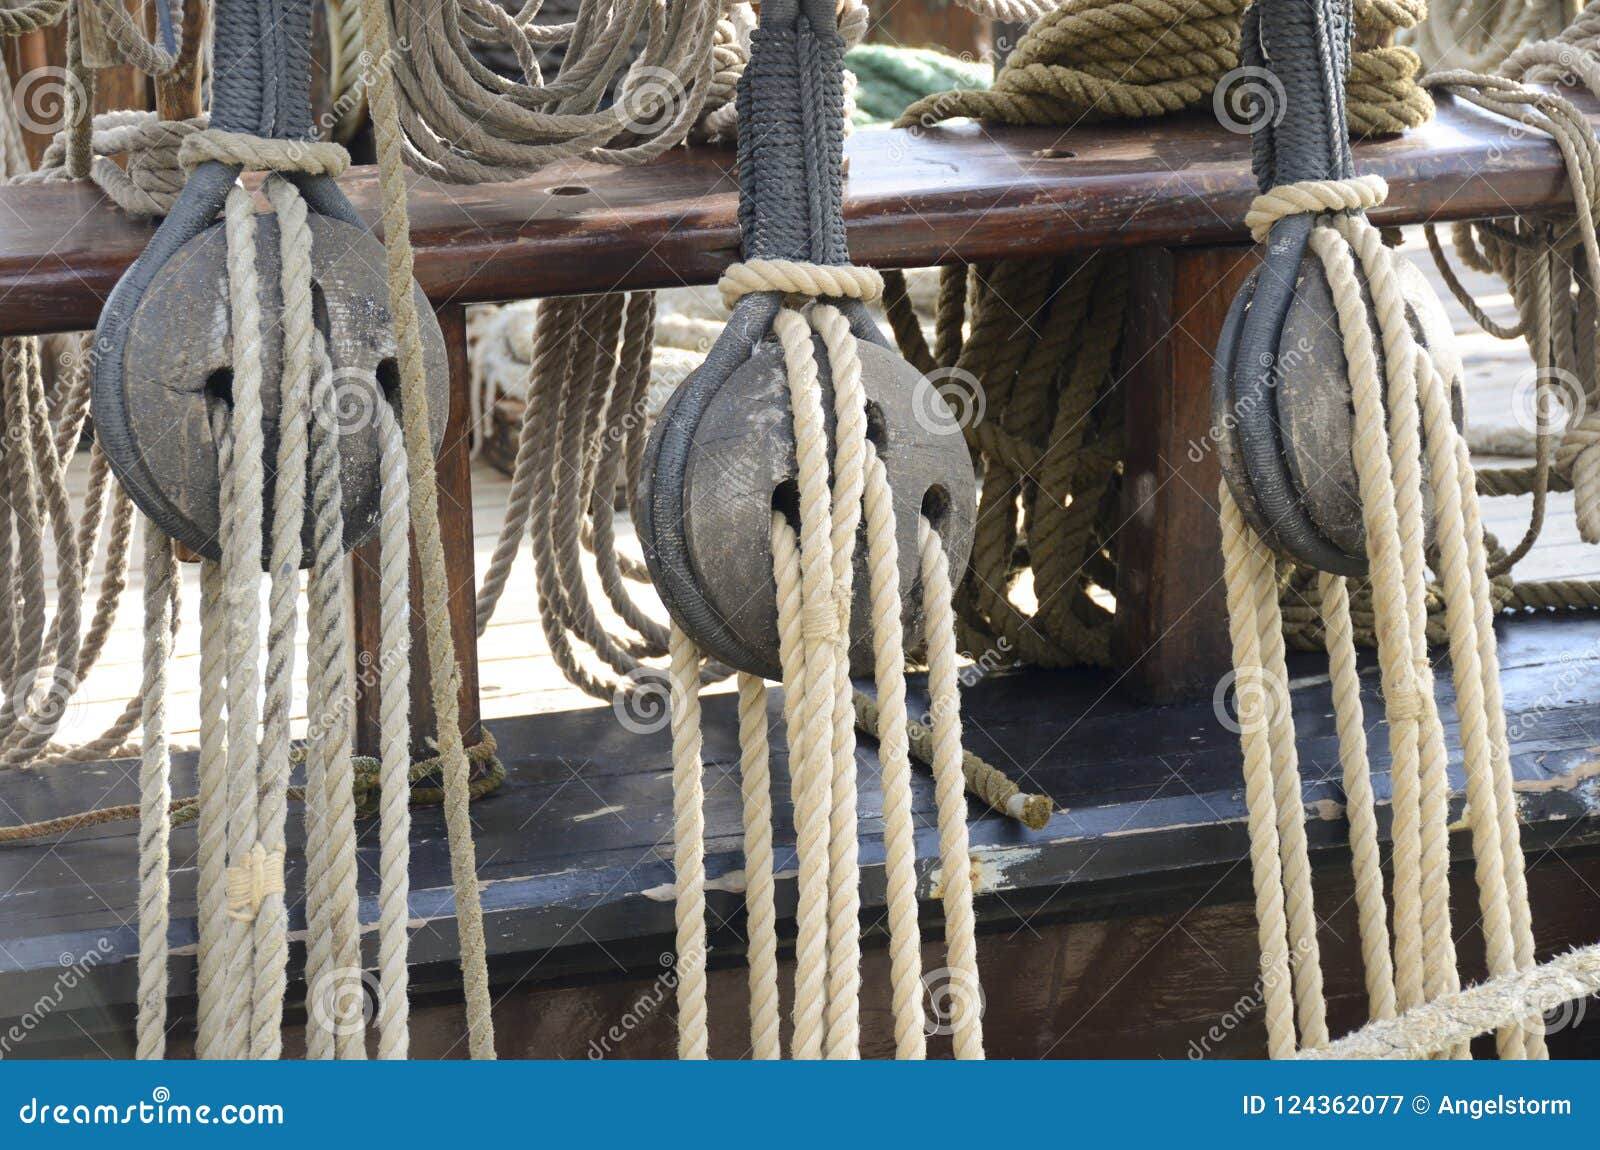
454,465
1171,634
178,92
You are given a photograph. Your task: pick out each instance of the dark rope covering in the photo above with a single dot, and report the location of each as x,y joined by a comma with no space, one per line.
1305,44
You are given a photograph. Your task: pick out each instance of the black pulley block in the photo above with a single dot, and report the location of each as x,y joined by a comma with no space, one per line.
163,351
1308,417
706,526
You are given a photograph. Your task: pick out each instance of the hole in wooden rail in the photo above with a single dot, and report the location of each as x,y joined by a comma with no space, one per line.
569,190
1055,154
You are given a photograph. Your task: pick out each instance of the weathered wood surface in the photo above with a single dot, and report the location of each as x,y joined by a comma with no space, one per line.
574,851
1171,635
916,197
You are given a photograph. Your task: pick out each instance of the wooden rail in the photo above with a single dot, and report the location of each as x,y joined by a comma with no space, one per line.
1176,189
915,197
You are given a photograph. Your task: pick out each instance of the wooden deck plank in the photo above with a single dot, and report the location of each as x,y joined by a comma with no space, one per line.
574,851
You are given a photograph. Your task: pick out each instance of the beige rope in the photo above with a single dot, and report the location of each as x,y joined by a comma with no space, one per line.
394,701
445,675
242,487
1499,1004
894,757
960,923
688,848
1360,806
331,811
760,888
844,868
211,883
1243,562
155,792
810,740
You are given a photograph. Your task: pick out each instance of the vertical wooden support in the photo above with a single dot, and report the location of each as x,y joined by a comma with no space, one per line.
454,466
1171,634
178,92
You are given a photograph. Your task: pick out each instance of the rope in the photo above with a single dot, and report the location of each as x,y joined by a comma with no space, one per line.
688,848
367,788
463,122
395,791
760,888
1499,1004
1089,60
386,117
1400,411
954,861
155,789
1551,266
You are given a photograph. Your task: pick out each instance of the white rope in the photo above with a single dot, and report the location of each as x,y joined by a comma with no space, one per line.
155,796
394,702
1497,1005
759,884
1390,409
894,757
688,848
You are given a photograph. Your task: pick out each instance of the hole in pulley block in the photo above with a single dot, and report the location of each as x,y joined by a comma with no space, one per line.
877,428
218,394
786,501
936,506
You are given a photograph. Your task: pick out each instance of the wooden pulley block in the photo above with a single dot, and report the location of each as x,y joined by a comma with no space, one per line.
168,373
740,464
1310,414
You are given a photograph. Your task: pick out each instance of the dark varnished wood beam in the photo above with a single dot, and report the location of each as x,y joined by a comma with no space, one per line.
916,197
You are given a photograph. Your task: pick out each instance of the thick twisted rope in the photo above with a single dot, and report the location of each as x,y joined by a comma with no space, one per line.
394,700
155,791
1391,407
1500,1004
445,675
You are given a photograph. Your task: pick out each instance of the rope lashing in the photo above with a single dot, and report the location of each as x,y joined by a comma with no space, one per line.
250,881
1313,203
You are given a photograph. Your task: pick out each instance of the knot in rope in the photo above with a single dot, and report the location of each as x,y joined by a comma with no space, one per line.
150,177
797,278
1356,194
311,157
250,882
